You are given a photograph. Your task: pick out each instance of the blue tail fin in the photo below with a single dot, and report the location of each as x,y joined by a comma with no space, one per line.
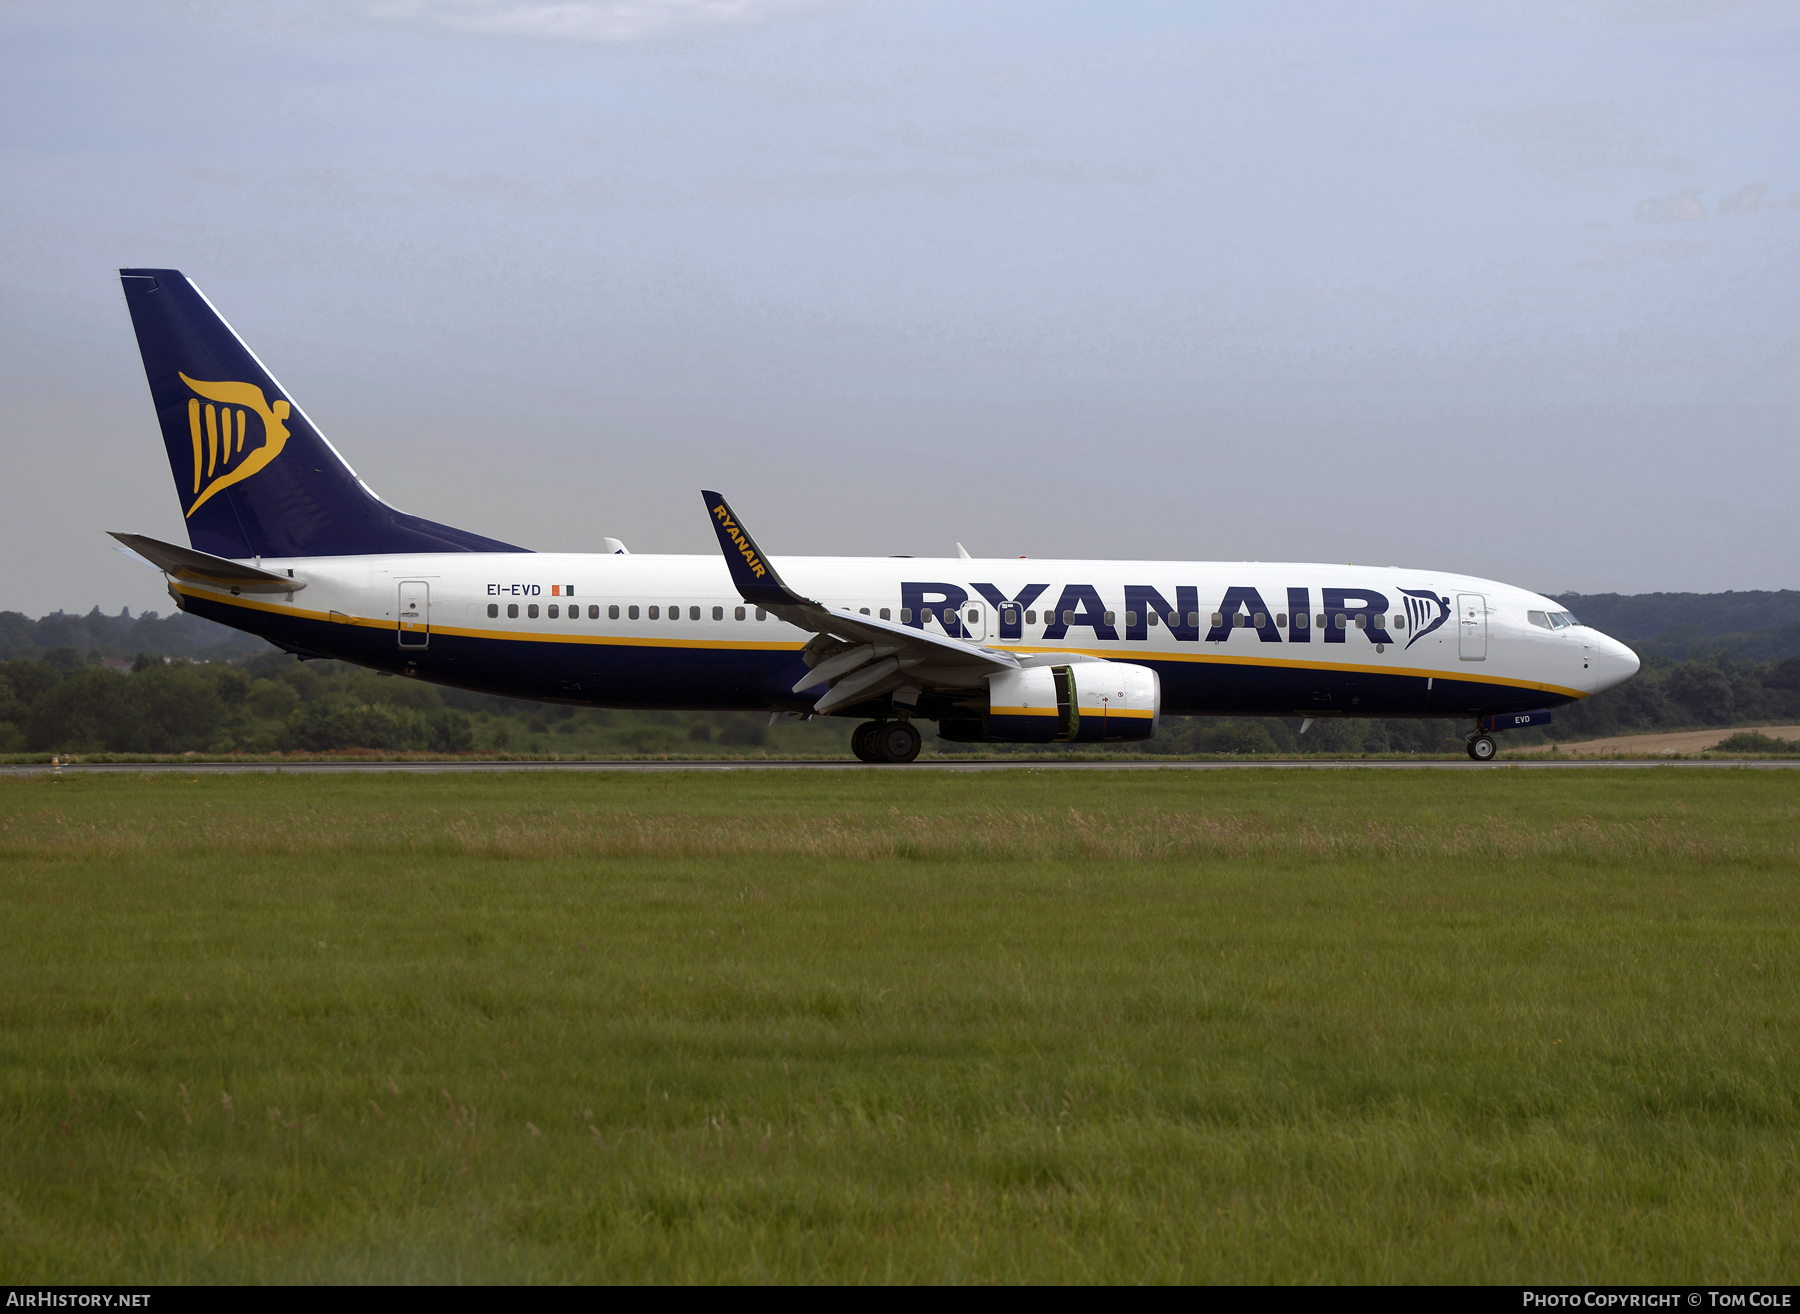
255,477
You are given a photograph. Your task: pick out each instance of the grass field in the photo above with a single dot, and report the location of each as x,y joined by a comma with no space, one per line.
1251,1026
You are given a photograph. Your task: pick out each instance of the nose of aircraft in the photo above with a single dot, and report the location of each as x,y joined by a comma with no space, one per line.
1611,663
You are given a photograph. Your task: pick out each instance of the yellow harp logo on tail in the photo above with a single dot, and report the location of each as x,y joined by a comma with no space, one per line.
221,431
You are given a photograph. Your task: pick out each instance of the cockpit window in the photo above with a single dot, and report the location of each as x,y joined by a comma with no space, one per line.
1540,619
1559,620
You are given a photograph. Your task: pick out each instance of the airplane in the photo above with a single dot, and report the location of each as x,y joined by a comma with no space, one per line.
285,541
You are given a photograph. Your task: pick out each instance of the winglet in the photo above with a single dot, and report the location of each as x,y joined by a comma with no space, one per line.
755,578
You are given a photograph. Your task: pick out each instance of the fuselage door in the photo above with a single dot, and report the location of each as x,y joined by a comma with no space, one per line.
1471,617
415,614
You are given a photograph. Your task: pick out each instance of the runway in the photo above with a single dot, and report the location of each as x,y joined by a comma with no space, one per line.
444,768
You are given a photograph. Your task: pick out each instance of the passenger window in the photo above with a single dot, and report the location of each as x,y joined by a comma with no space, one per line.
949,615
1237,620
1323,620
631,612
1174,619
1399,622
512,611
1109,618
693,613
1281,618
1031,618
862,611
1068,618
612,612
718,613
1300,619
1150,618
654,613
493,610
1261,620
552,611
1217,620
1130,619
906,615
1362,621
1194,620
531,611
761,614
1342,622
974,615
1009,617
737,613
884,614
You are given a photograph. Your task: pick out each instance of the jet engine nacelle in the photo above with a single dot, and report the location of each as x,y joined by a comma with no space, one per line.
1081,703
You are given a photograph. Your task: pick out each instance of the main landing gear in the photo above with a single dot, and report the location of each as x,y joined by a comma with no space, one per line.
886,741
1482,748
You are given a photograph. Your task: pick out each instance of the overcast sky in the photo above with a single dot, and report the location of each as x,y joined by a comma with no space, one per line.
1507,288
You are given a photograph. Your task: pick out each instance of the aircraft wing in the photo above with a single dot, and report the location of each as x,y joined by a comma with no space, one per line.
858,657
204,568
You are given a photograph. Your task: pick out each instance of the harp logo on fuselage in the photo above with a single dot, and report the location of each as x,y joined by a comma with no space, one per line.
228,448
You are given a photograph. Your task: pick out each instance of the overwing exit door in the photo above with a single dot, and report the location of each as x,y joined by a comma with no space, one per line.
415,614
1471,623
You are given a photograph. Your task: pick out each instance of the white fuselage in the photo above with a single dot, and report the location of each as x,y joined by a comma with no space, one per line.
637,631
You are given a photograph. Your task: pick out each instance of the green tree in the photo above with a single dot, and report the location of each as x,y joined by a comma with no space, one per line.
89,711
271,700
448,731
319,727
1703,690
176,708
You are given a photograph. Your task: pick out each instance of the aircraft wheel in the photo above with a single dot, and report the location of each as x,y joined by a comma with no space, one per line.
862,741
896,741
1482,748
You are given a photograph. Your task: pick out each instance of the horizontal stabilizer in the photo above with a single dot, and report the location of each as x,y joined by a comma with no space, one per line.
204,568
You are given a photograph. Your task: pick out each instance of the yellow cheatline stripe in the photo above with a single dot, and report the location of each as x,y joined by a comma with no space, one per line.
1096,710
1467,677
303,613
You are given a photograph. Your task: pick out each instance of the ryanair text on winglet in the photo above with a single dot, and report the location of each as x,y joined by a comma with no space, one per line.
743,544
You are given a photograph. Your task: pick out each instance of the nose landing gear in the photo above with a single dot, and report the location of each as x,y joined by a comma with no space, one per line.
886,741
1481,739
